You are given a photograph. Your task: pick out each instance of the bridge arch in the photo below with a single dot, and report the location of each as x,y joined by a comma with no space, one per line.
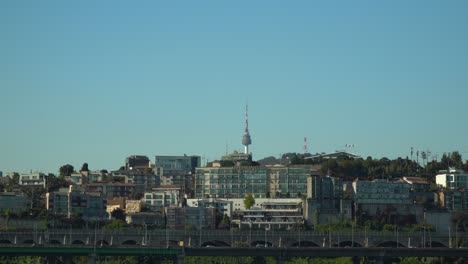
304,243
129,242
54,242
5,241
28,241
102,242
78,242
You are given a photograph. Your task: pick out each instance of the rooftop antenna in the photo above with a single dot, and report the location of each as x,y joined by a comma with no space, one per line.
305,146
227,151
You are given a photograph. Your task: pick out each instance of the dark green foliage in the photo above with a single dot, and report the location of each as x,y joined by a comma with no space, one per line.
116,225
227,163
84,167
249,200
66,170
118,214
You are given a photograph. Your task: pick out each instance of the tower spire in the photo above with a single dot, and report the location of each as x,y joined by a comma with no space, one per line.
246,140
246,118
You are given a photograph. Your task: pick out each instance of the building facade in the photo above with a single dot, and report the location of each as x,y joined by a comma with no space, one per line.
14,202
417,184
262,182
137,162
272,215
381,192
230,182
454,200
452,179
75,200
139,177
190,218
178,171
114,189
161,197
177,164
33,179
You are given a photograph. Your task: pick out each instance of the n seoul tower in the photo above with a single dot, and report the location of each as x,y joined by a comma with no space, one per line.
246,141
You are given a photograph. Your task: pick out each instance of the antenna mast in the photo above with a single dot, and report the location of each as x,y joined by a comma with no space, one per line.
305,146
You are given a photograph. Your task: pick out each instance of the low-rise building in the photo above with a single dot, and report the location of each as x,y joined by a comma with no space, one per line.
32,179
14,202
162,197
114,189
275,214
132,206
139,177
374,197
177,171
228,206
75,200
190,217
417,184
77,178
135,162
96,176
222,206
334,155
146,218
381,192
453,200
452,179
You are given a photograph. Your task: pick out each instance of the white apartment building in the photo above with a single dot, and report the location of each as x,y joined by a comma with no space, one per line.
452,179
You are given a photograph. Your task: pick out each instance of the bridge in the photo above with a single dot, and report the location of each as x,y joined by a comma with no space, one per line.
280,245
229,238
380,255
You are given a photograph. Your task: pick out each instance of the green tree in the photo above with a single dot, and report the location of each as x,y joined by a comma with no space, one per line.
249,201
7,217
148,171
66,170
115,225
118,214
84,167
12,182
225,222
55,183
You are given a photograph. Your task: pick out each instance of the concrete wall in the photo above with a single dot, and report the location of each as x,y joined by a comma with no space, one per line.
440,220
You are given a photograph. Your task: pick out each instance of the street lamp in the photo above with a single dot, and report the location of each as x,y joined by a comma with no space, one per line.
230,230
250,232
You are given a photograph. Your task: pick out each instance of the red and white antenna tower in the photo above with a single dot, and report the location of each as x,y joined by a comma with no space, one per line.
305,146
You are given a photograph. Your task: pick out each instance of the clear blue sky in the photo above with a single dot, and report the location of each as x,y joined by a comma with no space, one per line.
96,81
